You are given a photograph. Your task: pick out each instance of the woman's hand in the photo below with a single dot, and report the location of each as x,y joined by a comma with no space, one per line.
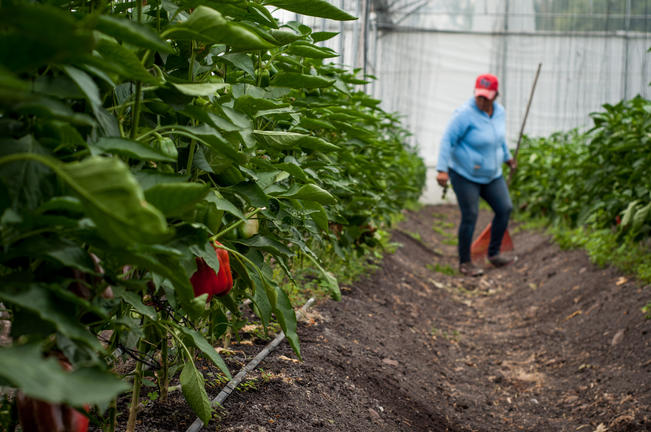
512,163
442,178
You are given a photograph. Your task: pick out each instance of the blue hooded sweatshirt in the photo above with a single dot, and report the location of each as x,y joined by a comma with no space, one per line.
474,143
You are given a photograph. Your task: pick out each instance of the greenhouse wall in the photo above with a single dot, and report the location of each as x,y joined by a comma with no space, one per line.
427,54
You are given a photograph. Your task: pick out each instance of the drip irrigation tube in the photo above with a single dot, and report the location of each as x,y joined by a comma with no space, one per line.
237,379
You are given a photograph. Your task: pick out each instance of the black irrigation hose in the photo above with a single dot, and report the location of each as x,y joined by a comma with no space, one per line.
237,379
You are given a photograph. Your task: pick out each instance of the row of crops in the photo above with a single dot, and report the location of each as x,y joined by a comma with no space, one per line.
163,161
595,186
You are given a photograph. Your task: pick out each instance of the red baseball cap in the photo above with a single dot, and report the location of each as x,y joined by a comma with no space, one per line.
486,85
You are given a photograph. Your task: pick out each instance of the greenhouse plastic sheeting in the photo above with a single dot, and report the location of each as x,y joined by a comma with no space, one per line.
426,58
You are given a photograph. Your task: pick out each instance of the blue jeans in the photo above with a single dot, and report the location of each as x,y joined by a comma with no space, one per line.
496,195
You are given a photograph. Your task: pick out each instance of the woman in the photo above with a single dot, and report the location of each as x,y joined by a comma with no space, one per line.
472,151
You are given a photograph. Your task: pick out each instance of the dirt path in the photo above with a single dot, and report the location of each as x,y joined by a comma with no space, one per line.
551,343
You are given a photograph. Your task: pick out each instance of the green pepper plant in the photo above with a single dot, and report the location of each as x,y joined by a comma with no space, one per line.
594,186
138,138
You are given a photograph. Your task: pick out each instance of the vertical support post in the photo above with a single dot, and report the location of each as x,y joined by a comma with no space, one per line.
356,31
376,41
367,13
342,60
505,48
627,28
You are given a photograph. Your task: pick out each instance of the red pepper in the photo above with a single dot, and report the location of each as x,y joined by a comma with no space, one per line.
36,415
39,416
206,281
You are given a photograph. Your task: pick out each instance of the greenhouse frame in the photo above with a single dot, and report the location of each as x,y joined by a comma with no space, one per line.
426,54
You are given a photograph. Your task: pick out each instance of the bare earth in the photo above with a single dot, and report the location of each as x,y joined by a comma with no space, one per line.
551,343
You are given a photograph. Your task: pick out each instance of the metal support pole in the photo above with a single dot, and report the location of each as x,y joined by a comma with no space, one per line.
341,37
627,28
376,40
358,12
367,13
505,47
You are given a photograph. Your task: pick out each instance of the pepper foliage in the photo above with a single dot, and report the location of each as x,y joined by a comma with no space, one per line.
132,135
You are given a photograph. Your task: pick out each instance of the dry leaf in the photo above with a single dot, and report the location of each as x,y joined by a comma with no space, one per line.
250,328
573,314
621,281
390,362
289,359
601,428
618,337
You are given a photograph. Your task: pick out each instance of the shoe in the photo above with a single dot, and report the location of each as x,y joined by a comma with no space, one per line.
501,260
470,269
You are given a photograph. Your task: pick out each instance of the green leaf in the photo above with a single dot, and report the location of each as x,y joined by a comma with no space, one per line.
51,308
174,199
119,59
316,124
309,192
323,36
85,84
286,317
316,8
318,214
291,140
43,378
24,178
91,91
304,49
252,193
331,281
37,34
149,178
267,244
294,169
202,89
208,25
225,205
45,107
194,391
641,216
240,61
128,148
251,105
285,37
627,217
70,255
261,300
132,33
165,262
262,15
113,199
134,300
201,343
207,252
62,203
299,80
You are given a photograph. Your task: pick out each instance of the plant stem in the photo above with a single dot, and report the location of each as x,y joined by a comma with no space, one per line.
193,146
236,224
164,377
191,66
136,111
112,416
135,393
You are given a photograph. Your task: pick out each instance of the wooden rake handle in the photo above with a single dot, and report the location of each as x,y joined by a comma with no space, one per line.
524,121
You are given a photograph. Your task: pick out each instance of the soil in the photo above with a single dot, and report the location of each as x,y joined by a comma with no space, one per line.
549,343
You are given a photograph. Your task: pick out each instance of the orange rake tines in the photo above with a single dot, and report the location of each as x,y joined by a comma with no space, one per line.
479,248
